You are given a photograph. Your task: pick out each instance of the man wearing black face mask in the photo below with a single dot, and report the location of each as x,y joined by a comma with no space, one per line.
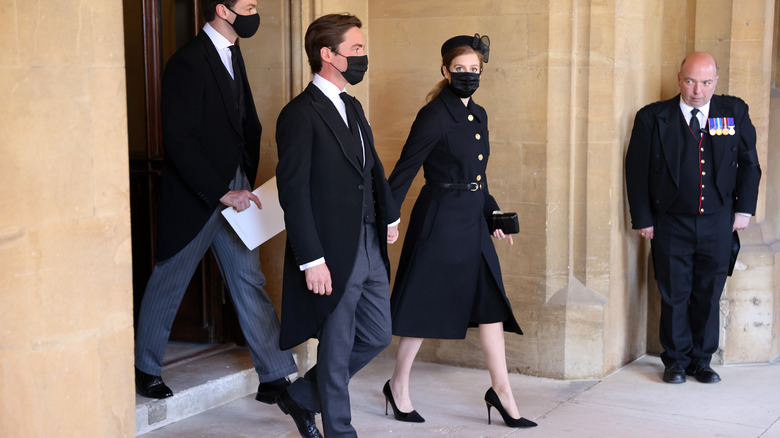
211,135
337,208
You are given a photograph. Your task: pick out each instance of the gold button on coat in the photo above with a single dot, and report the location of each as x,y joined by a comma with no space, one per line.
477,136
480,157
471,118
479,177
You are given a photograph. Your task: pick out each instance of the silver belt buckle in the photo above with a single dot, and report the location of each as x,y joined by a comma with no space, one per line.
473,187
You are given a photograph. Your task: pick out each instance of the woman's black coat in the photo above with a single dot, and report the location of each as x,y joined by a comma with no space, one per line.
447,237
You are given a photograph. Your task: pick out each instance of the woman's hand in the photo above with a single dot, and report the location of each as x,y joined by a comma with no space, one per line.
499,234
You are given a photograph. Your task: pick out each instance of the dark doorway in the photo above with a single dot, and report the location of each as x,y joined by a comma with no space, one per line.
154,30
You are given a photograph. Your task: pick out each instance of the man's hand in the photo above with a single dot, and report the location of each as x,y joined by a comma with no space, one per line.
646,233
740,221
240,199
392,234
318,279
499,234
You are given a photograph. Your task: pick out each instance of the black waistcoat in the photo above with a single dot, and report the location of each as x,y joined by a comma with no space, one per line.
369,209
697,194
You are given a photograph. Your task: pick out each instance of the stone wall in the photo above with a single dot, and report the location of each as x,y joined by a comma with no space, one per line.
66,319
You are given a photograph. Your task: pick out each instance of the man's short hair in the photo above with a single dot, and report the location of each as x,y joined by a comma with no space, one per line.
327,31
210,8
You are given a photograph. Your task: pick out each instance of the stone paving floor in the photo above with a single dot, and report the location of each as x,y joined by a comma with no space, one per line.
632,402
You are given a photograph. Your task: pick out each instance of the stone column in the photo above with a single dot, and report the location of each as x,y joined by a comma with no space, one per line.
740,35
66,337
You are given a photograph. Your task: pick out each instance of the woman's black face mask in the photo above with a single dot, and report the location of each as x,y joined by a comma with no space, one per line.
464,84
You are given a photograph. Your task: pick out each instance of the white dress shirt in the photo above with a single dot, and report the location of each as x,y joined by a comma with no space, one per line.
223,47
702,115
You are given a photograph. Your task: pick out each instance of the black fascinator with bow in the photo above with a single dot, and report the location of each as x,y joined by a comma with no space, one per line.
480,44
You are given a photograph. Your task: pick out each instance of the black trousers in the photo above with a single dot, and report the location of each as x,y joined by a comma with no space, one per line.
691,258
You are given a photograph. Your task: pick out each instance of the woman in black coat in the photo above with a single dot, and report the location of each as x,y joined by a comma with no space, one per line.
449,277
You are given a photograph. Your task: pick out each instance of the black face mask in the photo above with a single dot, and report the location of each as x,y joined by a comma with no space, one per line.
245,25
464,84
356,68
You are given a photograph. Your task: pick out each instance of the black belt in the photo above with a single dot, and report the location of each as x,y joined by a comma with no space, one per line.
471,187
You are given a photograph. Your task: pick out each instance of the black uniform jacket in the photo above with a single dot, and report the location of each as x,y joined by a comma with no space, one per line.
321,191
447,242
653,158
205,141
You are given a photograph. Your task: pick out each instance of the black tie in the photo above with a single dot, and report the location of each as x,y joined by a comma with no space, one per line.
352,122
695,128
235,59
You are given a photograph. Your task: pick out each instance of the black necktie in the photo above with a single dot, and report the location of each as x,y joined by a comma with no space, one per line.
352,119
695,128
350,111
235,56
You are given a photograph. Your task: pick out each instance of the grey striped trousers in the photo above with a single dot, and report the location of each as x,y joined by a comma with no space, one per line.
240,268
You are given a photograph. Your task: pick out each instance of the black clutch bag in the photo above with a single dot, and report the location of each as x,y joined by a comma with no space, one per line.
506,222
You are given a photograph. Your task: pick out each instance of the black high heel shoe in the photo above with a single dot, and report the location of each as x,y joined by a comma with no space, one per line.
491,400
409,417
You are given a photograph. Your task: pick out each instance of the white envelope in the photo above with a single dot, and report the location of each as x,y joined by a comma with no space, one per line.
253,225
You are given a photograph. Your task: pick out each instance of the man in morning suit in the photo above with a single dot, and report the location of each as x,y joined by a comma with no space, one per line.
692,178
211,134
337,206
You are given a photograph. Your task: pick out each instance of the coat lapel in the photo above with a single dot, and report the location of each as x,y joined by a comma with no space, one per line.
330,115
671,138
222,78
364,126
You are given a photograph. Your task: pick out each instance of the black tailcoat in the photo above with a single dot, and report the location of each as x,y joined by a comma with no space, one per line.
321,191
205,141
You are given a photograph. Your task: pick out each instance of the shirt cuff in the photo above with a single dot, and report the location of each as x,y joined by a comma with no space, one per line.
312,264
744,214
397,221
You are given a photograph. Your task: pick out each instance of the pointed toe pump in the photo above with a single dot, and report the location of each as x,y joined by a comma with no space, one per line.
409,417
491,400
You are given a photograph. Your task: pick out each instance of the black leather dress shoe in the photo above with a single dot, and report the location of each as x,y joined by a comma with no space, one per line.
304,419
268,392
151,386
674,373
703,373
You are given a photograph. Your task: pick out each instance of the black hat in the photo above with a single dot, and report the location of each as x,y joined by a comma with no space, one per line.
480,44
